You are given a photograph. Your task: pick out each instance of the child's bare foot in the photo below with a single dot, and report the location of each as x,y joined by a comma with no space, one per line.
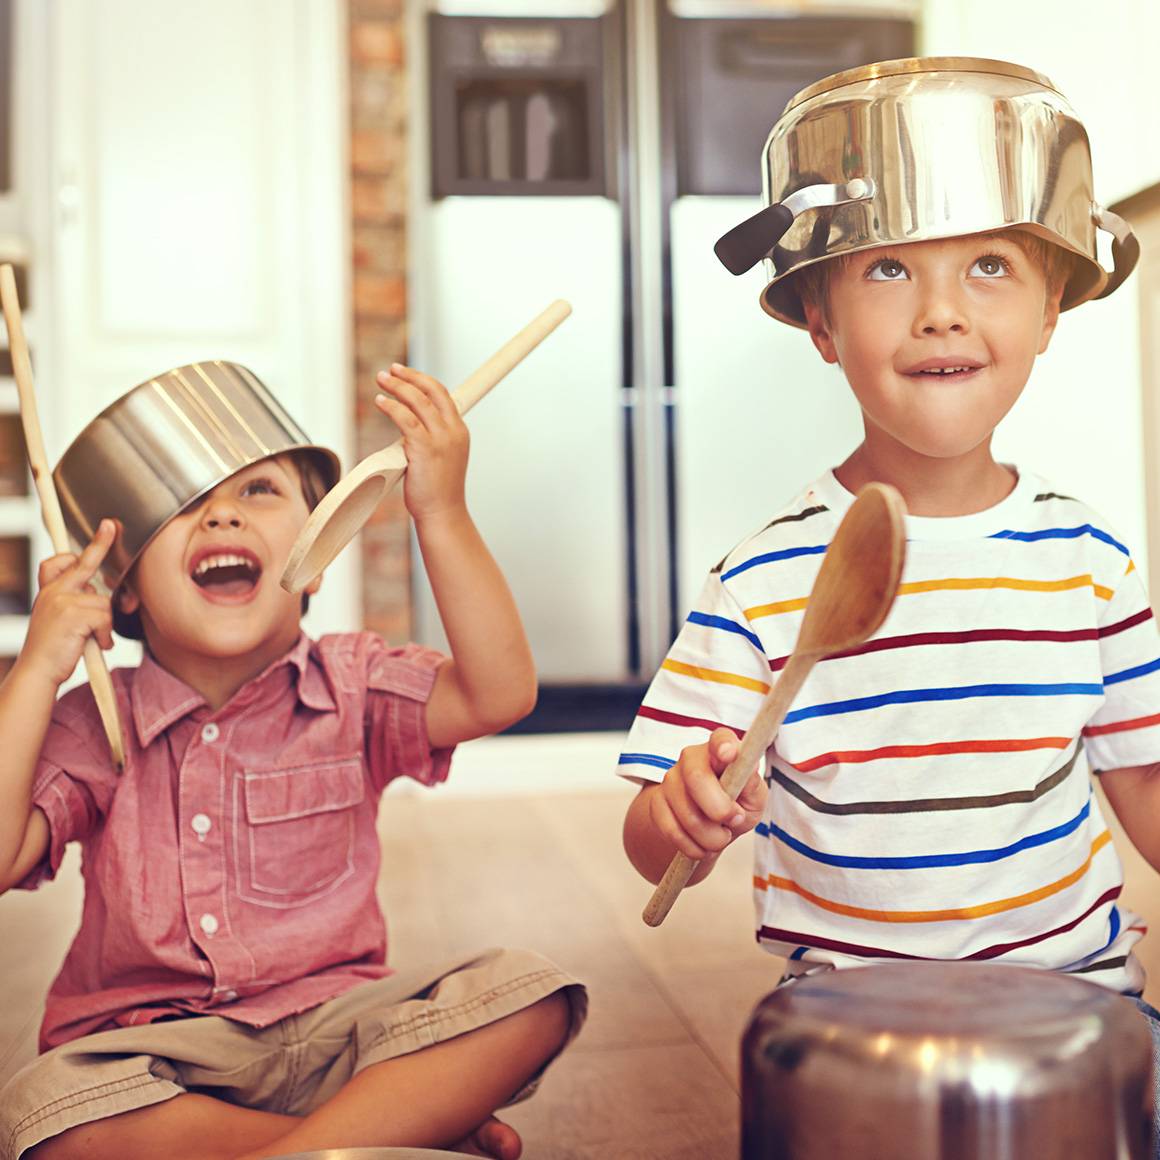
493,1138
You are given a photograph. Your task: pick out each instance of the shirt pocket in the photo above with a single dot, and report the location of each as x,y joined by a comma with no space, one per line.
295,831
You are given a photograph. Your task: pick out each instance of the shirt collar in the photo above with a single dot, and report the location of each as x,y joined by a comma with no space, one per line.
159,699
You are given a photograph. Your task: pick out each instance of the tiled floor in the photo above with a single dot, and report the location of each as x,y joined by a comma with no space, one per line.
522,847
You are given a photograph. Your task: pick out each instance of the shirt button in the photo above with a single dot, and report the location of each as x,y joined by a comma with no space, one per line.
208,923
229,996
210,732
201,825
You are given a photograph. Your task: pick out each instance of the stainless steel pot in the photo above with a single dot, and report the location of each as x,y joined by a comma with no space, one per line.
924,148
167,442
372,1154
946,1061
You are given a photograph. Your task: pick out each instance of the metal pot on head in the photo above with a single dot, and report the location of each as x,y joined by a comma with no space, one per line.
918,149
165,444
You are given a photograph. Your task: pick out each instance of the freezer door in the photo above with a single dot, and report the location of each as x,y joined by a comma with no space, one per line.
758,414
546,480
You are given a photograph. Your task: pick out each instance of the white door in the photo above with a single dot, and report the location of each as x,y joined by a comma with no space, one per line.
195,160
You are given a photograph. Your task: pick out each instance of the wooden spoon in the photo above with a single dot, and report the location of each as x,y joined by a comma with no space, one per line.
99,680
349,504
852,594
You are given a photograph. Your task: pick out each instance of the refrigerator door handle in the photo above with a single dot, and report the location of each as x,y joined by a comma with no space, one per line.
746,244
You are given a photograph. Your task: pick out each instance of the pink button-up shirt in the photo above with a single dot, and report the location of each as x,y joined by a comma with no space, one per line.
231,868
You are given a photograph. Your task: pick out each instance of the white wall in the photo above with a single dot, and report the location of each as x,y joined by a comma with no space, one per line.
1079,421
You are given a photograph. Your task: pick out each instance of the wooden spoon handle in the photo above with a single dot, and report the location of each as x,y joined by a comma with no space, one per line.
98,674
514,351
753,745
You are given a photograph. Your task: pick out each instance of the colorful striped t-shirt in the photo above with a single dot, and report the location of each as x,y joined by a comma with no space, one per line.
930,796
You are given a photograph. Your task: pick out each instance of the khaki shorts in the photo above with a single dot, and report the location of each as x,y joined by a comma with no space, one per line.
290,1067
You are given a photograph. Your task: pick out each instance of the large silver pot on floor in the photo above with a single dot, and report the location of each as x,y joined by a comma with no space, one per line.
946,1061
372,1154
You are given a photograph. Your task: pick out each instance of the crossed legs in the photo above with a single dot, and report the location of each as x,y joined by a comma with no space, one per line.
441,1096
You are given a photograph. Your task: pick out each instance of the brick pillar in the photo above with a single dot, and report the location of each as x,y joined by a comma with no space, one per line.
378,105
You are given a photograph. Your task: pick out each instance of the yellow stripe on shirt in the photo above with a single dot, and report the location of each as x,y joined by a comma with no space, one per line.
965,912
715,675
1083,581
955,584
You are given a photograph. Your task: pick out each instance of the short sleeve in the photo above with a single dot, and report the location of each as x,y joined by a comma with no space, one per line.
399,681
1125,731
715,674
74,781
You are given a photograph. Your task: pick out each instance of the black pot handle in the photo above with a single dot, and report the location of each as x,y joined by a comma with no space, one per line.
1125,248
745,245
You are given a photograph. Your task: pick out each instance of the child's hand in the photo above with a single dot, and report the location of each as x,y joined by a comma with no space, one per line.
68,610
692,810
435,440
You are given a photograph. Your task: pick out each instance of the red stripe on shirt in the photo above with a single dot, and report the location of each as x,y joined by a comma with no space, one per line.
1121,726
915,639
853,756
1128,622
668,718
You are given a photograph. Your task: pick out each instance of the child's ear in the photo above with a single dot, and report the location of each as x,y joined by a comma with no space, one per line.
126,599
820,331
314,585
1050,318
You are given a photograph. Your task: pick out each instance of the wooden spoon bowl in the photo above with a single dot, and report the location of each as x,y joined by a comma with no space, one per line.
858,580
349,504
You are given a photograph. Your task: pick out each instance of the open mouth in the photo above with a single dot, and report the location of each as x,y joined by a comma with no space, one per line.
227,576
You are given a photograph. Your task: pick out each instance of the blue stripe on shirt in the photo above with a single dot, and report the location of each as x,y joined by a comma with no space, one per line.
646,759
1063,534
1128,674
703,618
773,557
925,861
961,693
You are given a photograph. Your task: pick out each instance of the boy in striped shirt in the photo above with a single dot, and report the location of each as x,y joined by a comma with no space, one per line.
928,795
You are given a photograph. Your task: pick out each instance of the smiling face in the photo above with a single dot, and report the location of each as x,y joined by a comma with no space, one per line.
206,587
937,339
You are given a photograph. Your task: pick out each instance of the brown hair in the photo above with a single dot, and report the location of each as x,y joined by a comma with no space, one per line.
812,283
313,481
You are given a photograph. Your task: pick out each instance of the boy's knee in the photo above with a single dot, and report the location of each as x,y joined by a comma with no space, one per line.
554,1020
544,1026
67,1146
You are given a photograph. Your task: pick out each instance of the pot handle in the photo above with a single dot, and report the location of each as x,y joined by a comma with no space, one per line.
1125,247
746,244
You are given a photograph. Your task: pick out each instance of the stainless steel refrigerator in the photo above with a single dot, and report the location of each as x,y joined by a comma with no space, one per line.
594,150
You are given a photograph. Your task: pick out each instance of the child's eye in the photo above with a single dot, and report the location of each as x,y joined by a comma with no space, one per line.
887,270
260,486
991,266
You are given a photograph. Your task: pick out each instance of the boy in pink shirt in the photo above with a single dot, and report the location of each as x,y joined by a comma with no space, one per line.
227,994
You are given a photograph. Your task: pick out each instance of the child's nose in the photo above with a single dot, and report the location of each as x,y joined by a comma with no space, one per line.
220,512
942,311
